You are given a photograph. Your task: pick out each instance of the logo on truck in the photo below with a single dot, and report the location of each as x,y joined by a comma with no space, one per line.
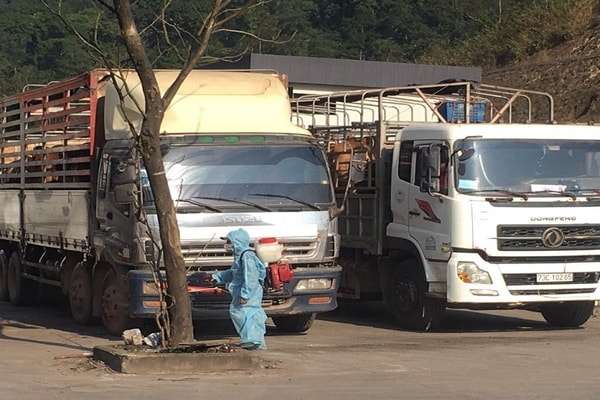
428,210
553,237
241,219
552,219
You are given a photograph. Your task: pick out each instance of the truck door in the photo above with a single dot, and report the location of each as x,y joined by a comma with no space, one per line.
429,217
116,198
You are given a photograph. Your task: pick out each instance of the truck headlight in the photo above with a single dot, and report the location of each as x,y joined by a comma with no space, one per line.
314,283
469,272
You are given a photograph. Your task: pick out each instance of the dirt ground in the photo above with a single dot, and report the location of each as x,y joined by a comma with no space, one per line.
355,352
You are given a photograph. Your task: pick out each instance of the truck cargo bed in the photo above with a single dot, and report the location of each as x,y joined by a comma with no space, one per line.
54,218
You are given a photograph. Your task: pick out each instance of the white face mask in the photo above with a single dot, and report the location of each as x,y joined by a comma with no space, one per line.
228,247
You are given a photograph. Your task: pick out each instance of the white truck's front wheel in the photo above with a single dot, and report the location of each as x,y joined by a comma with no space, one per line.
404,293
567,314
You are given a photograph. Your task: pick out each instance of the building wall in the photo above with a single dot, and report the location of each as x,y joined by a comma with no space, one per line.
314,74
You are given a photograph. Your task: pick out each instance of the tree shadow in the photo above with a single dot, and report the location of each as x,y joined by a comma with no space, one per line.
52,316
56,316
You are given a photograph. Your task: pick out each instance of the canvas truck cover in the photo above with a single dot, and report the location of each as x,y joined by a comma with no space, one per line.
209,101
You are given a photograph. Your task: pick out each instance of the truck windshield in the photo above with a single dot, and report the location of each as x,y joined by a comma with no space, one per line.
528,166
258,176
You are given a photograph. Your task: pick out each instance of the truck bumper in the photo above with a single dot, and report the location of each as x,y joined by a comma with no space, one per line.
213,302
522,283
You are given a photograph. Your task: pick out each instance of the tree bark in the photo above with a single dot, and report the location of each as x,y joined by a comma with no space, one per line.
180,308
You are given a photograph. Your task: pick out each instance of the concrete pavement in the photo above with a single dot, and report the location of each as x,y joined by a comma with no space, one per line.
353,353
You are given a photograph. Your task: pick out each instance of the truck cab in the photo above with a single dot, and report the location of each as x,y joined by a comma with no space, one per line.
501,215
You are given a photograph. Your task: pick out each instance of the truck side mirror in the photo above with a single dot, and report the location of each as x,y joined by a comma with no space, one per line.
465,154
432,160
428,167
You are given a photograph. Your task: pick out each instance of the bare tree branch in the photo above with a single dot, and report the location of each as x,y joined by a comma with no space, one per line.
191,49
58,12
108,6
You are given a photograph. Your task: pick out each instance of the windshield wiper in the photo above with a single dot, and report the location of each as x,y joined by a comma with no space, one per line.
248,203
199,204
283,196
557,192
507,193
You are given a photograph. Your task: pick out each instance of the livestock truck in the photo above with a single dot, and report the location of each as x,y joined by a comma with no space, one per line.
78,215
448,202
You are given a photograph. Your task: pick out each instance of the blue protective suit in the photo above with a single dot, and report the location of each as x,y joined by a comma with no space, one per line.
245,278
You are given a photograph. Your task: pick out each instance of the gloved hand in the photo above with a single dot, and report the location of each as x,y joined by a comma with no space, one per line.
208,280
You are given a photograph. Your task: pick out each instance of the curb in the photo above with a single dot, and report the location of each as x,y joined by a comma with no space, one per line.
153,362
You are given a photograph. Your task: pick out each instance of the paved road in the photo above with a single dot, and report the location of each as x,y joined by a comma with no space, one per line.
352,353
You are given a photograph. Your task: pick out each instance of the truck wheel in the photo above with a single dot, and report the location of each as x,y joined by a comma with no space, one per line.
294,323
19,288
568,314
406,298
115,304
80,295
3,277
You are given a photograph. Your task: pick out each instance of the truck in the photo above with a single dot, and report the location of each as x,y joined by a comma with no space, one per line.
462,195
79,218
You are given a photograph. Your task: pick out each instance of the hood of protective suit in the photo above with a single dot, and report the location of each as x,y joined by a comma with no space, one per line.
240,240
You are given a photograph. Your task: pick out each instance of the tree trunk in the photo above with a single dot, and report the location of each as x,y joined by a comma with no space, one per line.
178,299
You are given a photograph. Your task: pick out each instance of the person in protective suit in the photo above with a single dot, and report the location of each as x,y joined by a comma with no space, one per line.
245,279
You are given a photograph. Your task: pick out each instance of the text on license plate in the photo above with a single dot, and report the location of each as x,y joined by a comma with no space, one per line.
562,277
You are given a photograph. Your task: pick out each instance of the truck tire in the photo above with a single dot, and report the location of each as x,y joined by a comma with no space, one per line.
20,290
405,296
294,323
3,277
568,314
80,295
115,304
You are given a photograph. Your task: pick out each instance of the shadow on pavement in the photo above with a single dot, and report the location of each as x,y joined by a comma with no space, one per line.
46,318
375,314
57,316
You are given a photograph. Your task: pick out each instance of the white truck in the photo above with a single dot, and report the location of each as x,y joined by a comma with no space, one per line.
447,203
78,213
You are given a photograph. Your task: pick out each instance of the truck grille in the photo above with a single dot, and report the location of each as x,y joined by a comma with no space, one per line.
540,237
210,303
213,302
196,254
530,279
528,283
546,292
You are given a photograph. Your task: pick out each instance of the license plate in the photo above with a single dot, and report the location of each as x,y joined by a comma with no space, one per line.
563,277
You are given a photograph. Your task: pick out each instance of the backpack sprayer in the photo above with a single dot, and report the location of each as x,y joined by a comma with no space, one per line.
279,271
270,252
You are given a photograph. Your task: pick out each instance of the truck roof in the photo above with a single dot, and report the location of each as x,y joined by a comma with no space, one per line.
502,131
209,101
